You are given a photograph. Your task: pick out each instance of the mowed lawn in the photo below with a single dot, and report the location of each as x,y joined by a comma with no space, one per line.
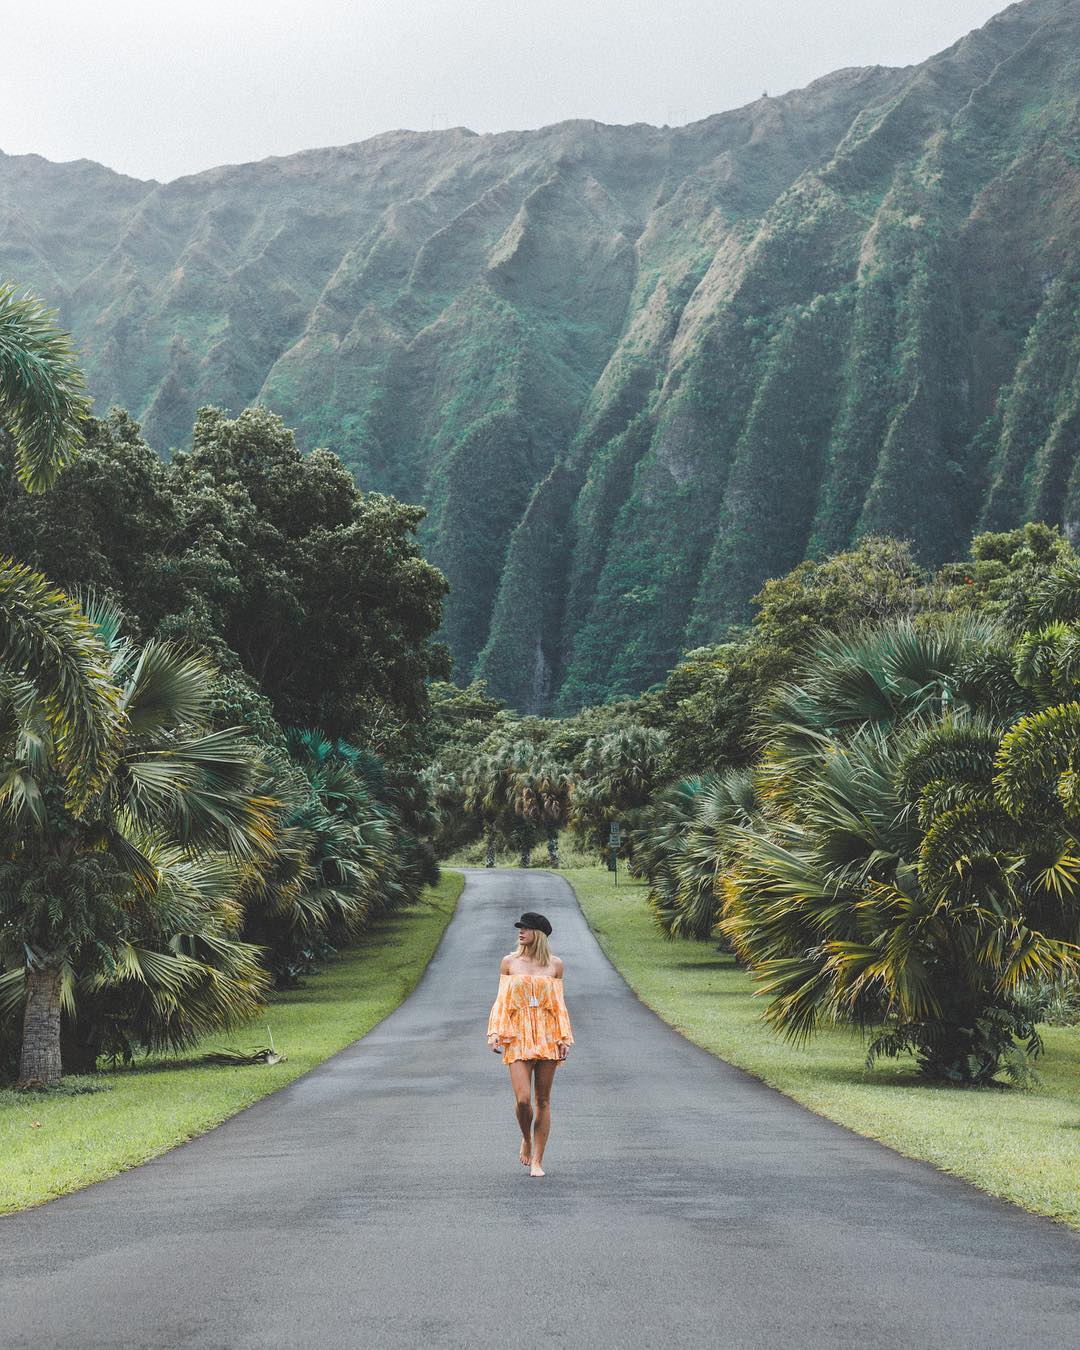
53,1143
1023,1146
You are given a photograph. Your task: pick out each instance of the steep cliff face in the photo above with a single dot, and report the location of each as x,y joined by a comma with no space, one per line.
632,371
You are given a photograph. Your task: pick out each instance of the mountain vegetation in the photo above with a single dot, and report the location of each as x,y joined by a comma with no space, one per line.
631,372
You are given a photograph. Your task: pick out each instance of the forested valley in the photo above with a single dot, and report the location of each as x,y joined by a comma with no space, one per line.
757,540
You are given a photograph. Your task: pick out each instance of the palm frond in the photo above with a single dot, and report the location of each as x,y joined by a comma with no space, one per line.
42,390
45,636
169,687
1040,756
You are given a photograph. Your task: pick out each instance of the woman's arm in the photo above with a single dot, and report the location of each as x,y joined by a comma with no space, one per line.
564,1035
499,1029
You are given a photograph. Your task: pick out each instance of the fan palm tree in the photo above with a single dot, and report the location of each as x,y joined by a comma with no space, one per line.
687,844
884,674
306,891
1047,663
43,635
1055,596
917,880
42,391
82,890
339,856
659,838
174,972
539,791
452,826
615,774
489,782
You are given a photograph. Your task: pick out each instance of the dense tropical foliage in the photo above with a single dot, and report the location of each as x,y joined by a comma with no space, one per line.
870,795
899,847
130,901
172,845
300,585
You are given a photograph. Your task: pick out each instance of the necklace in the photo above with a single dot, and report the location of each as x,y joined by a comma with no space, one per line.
534,1002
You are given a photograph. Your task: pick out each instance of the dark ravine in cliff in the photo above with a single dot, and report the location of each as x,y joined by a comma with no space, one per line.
631,371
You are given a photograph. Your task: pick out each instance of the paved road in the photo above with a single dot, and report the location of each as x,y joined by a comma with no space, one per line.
378,1202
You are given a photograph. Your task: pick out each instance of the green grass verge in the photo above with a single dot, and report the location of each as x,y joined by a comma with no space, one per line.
54,1143
1022,1146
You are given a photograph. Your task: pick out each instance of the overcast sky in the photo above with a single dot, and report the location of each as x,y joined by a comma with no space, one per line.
161,89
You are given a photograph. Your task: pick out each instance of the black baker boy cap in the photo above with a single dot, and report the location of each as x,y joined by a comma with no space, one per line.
531,920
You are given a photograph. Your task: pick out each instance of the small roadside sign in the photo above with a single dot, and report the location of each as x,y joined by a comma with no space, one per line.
613,847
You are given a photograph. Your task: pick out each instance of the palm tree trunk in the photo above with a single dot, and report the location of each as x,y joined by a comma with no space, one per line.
525,858
39,1062
553,848
489,858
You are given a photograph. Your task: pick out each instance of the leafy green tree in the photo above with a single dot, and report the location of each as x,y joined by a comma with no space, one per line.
459,720
564,739
154,844
708,703
705,705
1016,576
272,561
324,596
108,524
876,581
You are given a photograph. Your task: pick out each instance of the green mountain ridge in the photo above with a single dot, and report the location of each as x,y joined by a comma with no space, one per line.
631,371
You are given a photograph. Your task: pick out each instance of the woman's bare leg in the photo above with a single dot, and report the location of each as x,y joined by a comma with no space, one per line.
521,1082
543,1078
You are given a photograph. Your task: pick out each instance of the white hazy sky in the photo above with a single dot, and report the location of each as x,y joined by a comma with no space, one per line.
159,88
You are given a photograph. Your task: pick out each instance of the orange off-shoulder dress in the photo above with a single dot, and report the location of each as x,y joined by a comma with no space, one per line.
529,1017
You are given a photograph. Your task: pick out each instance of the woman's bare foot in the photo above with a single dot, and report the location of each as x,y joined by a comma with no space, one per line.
535,1170
523,1154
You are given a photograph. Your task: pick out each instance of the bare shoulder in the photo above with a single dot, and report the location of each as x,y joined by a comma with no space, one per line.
504,964
557,964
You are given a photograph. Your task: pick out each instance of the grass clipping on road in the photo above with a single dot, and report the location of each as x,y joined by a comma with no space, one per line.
1022,1146
54,1143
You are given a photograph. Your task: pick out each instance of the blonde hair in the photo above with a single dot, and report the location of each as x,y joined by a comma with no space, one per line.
538,950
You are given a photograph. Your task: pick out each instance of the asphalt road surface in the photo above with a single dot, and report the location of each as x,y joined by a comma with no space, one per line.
379,1202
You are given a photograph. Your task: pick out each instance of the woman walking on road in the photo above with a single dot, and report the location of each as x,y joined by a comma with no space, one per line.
529,1024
